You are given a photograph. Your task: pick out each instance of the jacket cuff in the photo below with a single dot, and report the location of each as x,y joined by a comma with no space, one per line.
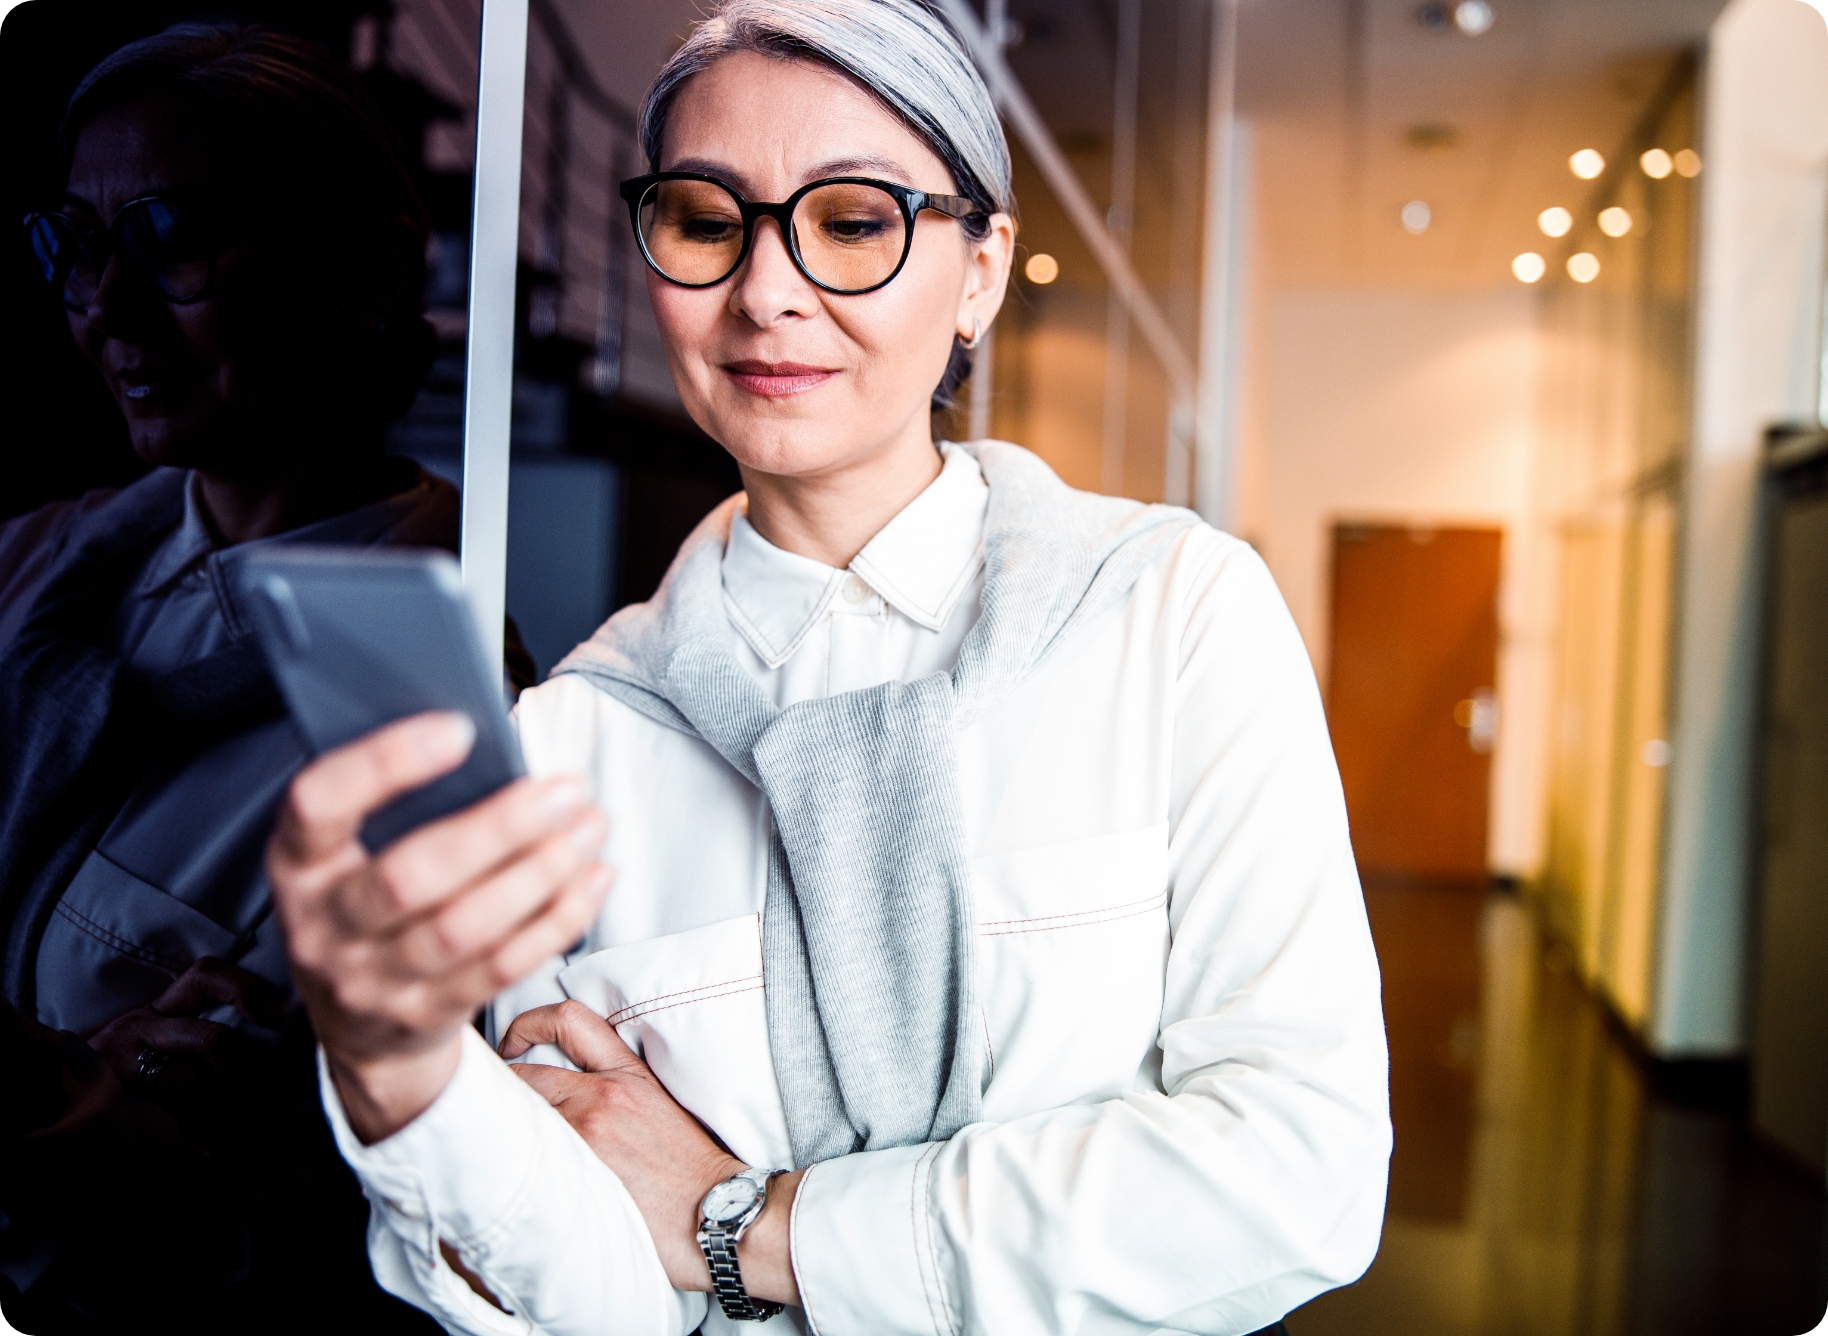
864,1252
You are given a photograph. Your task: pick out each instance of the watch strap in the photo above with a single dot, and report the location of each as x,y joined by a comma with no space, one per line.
727,1278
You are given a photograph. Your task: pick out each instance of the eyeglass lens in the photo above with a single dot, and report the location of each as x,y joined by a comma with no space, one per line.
153,235
850,236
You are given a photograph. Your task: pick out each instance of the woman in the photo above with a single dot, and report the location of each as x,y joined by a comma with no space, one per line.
237,248
986,951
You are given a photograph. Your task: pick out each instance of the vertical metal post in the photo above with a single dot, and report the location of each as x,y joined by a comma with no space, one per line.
1213,484
1119,221
983,362
488,389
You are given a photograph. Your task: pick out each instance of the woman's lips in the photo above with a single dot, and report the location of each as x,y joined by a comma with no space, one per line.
777,380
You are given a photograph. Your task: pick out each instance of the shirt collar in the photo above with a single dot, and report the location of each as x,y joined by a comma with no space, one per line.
921,562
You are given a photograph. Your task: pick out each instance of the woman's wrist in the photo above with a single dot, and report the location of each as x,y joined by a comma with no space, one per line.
766,1250
382,1095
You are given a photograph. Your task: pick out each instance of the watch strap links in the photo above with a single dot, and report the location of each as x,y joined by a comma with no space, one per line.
727,1279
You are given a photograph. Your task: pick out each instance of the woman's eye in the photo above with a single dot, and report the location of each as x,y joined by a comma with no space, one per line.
709,231
855,229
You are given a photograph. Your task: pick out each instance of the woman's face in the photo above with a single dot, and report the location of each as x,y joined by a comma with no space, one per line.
201,384
791,379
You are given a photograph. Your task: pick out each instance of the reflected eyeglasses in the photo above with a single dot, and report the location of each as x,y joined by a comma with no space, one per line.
846,234
164,239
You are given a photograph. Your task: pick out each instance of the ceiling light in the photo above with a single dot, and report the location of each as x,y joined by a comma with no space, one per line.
1416,217
1529,266
1474,17
1688,162
1615,222
1583,268
1042,269
1587,164
1656,164
1555,222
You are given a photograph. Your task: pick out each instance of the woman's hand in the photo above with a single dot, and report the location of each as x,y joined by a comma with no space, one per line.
395,952
190,1049
660,1152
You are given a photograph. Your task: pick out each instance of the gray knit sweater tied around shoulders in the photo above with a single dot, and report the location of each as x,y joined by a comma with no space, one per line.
868,931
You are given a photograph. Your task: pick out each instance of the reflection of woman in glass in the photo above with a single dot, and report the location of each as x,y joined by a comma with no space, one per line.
238,249
980,859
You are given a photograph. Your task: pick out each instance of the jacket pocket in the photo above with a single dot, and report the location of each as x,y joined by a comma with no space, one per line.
692,1006
1072,951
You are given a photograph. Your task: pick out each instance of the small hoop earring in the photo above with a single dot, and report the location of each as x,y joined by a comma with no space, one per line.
977,334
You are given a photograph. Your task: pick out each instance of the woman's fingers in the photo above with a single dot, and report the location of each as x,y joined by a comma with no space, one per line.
546,934
426,867
580,1034
485,914
209,983
329,798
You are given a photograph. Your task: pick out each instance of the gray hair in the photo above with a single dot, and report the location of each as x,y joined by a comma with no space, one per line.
900,51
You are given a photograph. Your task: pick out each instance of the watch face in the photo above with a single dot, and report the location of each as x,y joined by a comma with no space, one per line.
728,1200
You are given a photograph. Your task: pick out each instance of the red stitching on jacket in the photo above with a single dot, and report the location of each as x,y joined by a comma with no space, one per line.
1004,927
710,990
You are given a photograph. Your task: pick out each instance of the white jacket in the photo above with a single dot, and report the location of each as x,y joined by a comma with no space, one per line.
1185,1114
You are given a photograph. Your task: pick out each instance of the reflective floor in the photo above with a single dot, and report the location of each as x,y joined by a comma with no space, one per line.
1539,1186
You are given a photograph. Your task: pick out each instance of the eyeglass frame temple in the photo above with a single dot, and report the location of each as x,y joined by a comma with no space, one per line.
912,201
112,233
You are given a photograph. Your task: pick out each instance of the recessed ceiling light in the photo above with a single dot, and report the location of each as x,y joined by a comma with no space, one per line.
1656,164
1417,216
1615,222
1474,17
1587,164
1583,268
1529,266
1688,162
1042,269
1555,222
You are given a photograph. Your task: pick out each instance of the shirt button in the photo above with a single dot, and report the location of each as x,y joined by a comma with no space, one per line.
856,590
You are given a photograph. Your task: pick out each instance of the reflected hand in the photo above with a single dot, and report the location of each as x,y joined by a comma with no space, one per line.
663,1156
192,1049
395,952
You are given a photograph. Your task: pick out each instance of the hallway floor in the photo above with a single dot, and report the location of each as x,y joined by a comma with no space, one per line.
1540,1186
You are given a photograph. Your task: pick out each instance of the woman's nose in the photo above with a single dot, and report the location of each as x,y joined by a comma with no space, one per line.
769,285
122,300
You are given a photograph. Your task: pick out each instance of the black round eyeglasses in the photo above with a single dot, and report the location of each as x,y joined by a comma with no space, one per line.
846,234
167,239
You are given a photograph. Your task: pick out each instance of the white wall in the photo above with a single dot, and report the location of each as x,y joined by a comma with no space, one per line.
1405,407
1765,147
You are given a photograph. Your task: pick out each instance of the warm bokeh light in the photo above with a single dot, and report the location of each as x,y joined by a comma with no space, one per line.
1688,162
1041,269
1656,164
1529,267
1587,164
1583,268
1615,222
1416,217
1474,17
1555,222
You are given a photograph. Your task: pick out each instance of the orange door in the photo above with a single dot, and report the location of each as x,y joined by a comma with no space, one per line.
1410,693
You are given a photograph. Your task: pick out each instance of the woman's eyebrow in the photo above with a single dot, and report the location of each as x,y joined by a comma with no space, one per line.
853,166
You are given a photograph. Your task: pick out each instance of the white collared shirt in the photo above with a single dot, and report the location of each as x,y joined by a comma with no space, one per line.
1185,1114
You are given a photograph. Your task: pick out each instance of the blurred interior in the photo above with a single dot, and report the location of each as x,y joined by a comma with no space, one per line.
1497,328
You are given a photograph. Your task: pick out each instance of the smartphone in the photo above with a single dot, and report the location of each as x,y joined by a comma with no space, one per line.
357,638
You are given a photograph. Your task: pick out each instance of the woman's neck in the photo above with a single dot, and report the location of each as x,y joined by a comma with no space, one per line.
829,516
242,509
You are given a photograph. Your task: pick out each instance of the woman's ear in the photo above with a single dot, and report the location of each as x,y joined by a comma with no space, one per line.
987,265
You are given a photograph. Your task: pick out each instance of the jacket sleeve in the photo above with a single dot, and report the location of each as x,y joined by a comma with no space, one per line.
1253,1177
493,1171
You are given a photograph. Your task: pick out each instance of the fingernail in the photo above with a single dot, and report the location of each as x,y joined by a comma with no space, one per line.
589,835
561,798
453,732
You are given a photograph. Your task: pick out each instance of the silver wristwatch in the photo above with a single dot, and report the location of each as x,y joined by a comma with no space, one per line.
729,1209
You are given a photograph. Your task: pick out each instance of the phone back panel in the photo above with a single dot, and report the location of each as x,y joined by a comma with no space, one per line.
357,639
